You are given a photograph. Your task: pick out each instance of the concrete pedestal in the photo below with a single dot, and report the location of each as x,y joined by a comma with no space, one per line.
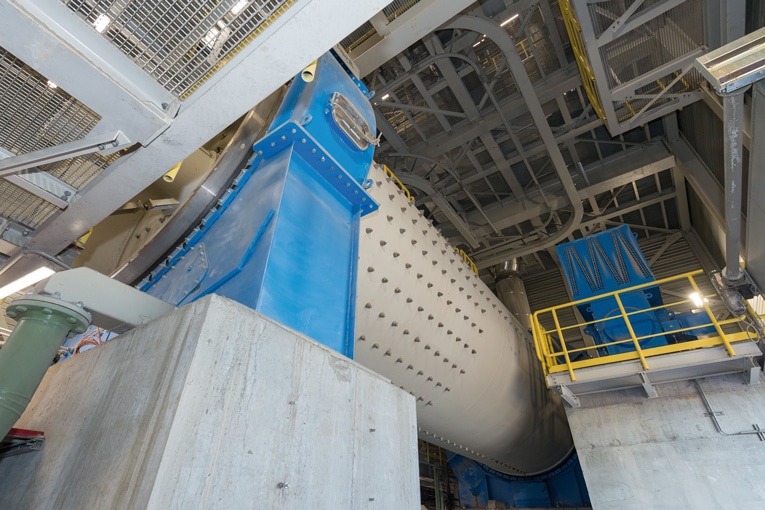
665,452
216,406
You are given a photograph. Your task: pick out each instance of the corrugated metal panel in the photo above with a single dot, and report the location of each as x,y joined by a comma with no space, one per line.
180,44
703,130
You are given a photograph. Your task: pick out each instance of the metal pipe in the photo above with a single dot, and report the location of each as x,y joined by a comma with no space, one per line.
733,123
43,323
506,44
512,292
713,414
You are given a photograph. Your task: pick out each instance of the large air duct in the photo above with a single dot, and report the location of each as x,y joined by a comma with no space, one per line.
428,323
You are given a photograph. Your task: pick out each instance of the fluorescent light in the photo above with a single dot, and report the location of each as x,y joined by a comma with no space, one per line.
210,37
508,20
238,7
101,22
386,96
52,85
698,302
25,281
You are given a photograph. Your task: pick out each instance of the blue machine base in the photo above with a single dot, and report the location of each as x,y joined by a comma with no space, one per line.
478,484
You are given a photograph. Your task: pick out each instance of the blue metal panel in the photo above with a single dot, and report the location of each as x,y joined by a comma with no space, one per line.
478,484
606,262
284,238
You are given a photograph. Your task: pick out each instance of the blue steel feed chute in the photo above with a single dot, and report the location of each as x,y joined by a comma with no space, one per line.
283,239
611,261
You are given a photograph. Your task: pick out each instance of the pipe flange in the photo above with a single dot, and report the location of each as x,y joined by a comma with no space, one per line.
50,307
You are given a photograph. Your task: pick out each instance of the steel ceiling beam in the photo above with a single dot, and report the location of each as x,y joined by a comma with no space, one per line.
268,62
443,205
555,85
606,175
754,252
414,24
497,254
505,43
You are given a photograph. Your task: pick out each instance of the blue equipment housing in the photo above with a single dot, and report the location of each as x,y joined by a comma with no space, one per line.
561,487
610,261
283,240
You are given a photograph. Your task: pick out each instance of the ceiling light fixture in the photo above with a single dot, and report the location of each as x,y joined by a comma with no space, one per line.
52,85
386,96
101,22
25,281
697,300
508,20
238,7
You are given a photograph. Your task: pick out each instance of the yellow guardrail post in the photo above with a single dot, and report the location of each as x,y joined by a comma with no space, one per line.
552,349
563,346
715,322
632,331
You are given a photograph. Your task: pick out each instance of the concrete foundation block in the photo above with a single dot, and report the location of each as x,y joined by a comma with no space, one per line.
216,406
665,452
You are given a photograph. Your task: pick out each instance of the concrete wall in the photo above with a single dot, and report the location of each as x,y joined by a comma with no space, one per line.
639,453
216,406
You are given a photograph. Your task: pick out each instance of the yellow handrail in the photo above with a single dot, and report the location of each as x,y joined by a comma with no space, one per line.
580,54
398,182
466,258
555,353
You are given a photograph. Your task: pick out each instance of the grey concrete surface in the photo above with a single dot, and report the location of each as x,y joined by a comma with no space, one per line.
665,453
215,406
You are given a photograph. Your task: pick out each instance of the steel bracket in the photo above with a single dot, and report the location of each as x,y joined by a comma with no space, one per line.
291,133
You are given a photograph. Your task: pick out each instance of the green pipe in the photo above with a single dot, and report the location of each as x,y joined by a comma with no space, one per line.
43,323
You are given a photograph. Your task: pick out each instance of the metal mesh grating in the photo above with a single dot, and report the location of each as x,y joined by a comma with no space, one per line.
398,7
677,33
35,113
22,207
660,41
80,171
180,44
357,37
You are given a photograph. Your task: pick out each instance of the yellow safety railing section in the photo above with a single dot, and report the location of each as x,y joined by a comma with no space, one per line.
560,347
398,182
467,260
580,53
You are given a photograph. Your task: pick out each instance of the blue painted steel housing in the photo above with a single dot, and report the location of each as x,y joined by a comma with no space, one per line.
563,486
283,240
611,261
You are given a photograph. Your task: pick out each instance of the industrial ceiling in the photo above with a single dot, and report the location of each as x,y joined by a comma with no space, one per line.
515,124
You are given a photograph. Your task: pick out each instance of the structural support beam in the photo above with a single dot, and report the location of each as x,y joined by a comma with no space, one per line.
522,81
417,22
555,85
624,168
89,145
48,37
754,253
441,202
263,66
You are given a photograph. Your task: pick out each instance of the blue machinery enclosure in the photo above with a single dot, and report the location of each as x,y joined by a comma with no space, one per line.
611,261
283,240
561,487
